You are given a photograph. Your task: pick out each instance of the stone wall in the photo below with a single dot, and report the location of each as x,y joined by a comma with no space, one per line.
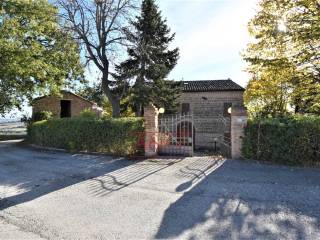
52,104
238,124
208,110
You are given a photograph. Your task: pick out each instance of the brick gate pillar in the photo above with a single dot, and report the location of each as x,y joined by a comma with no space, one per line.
151,131
238,122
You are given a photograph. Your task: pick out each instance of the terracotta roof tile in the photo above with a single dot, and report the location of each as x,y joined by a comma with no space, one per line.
211,86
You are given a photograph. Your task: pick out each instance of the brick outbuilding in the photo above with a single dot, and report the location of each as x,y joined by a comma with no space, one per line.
68,105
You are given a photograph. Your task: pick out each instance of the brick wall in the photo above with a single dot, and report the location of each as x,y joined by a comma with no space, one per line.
208,110
151,131
52,104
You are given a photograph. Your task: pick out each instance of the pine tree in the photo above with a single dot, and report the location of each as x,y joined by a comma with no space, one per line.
150,60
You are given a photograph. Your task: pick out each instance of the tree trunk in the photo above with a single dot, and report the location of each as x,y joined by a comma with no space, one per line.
116,108
114,100
139,85
139,110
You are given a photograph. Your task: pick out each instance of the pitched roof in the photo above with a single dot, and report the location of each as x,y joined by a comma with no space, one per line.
211,86
66,92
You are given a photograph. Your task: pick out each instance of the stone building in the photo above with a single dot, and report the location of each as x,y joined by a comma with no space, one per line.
68,105
210,103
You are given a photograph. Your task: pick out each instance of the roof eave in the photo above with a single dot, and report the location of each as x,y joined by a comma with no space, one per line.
64,91
224,90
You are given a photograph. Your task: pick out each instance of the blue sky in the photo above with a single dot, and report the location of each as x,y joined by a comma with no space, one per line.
211,34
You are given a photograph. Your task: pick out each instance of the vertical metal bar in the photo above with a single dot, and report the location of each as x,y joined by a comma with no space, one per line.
181,134
165,133
187,130
192,143
180,147
169,135
186,135
176,130
172,136
184,132
184,129
160,132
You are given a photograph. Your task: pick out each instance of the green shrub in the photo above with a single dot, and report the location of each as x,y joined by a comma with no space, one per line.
88,114
40,116
292,141
112,136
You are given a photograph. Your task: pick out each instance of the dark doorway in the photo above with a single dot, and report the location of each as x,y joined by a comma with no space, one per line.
65,108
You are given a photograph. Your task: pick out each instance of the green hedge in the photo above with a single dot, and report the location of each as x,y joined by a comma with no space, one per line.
111,136
292,141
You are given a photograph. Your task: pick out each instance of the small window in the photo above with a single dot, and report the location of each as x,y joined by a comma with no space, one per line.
226,107
185,108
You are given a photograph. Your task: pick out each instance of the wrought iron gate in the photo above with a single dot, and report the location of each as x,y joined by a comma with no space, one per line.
176,135
225,141
213,134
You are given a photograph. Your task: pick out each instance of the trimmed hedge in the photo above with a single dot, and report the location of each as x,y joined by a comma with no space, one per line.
111,136
292,141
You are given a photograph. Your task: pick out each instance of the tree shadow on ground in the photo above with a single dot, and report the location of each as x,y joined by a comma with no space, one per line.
260,202
27,174
123,177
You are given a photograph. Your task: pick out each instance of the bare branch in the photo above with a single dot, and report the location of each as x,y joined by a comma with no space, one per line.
99,24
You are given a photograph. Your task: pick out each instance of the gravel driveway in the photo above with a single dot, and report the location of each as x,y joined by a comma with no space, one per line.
51,195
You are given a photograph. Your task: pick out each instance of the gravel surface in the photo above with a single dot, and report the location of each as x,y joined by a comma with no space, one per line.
54,195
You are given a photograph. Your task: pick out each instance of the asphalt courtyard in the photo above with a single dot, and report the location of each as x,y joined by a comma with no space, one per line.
55,195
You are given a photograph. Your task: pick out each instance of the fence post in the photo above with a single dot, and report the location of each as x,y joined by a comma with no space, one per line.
238,122
151,131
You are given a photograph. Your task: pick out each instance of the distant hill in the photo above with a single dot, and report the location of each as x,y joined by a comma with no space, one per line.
9,120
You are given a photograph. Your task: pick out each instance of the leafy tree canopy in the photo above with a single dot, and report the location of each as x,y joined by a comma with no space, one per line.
36,55
284,59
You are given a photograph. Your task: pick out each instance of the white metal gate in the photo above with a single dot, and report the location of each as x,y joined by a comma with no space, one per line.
176,135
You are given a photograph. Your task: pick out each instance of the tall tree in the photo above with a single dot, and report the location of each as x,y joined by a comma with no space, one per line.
36,55
303,28
284,61
150,59
99,26
95,94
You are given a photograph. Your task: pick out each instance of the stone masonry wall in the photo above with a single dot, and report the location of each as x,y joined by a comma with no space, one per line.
52,104
238,123
208,109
